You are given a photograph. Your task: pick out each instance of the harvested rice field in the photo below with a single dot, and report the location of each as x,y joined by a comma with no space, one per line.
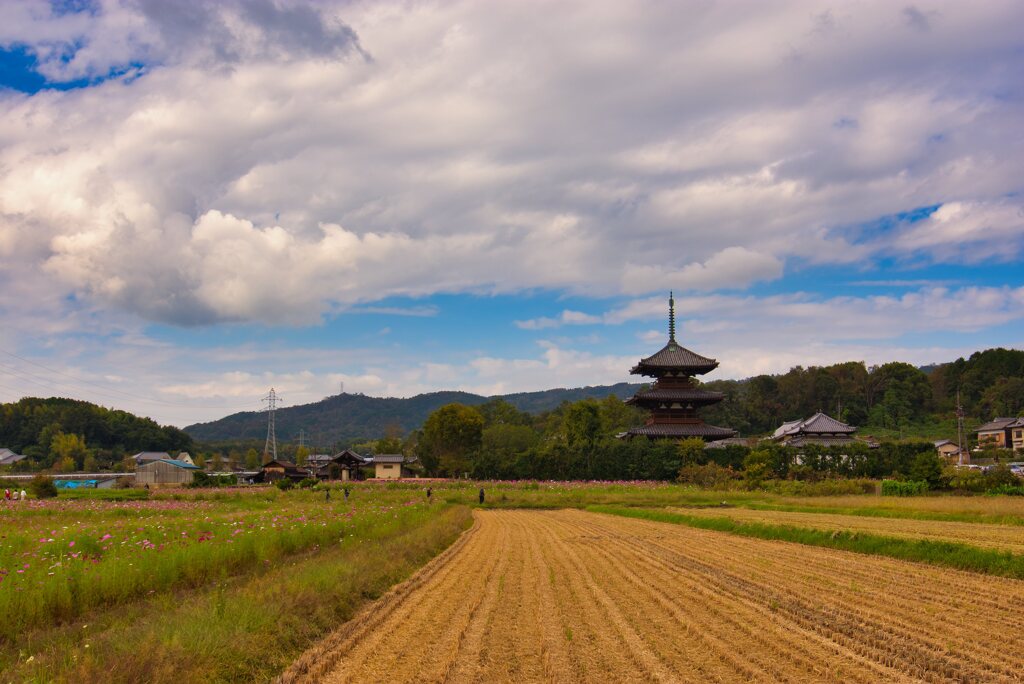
1002,537
572,596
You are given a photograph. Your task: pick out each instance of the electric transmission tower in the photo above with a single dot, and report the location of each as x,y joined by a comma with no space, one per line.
270,448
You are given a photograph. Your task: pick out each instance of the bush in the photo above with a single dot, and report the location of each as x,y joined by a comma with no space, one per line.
309,483
1001,476
284,484
926,467
827,487
903,488
708,476
965,479
1006,490
42,487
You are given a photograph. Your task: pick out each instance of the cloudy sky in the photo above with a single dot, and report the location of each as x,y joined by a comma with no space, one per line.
202,200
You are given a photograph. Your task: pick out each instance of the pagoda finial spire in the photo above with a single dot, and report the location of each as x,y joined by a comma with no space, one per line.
671,318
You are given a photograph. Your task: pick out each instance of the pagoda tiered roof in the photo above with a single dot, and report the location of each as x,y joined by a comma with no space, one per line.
680,430
680,394
675,396
674,358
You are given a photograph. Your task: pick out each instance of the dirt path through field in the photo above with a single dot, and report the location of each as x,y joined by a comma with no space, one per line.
568,596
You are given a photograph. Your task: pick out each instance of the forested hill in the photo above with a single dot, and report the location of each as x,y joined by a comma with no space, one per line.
351,418
893,396
41,429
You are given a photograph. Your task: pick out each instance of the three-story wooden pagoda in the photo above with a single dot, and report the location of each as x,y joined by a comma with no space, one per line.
676,396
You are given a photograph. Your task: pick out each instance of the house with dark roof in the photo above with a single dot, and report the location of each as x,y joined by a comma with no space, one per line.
144,457
279,470
345,465
393,466
996,433
818,429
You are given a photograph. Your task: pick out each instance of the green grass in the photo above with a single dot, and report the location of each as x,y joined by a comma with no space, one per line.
246,628
59,559
880,512
946,554
129,494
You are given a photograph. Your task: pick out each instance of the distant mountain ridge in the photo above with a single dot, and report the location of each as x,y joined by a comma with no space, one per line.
350,418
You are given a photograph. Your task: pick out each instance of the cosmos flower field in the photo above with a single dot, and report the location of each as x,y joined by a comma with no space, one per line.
61,558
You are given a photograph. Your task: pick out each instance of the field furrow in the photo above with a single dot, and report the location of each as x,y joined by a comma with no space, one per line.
1003,537
571,596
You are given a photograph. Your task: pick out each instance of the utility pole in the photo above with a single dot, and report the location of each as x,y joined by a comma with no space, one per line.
302,438
959,429
270,448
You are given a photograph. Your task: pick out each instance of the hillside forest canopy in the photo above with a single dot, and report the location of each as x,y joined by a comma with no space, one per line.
69,435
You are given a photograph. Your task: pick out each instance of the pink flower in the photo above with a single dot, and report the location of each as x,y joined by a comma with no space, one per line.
71,543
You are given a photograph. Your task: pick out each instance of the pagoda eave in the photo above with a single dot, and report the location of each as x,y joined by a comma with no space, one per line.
661,371
683,430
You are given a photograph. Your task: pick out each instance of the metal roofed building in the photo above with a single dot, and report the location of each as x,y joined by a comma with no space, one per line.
675,397
8,457
166,471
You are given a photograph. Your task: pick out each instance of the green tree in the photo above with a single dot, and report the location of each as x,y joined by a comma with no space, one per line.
252,459
691,451
42,487
217,463
760,465
451,435
89,465
68,447
500,412
926,467
388,445
301,455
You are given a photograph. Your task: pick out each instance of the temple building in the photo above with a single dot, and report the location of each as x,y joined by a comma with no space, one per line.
675,397
820,429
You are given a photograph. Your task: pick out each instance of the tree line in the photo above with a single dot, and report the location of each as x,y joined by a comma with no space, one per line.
896,397
68,434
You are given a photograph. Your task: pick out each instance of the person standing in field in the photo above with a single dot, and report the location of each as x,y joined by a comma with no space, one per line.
328,497
481,496
7,494
430,493
23,495
345,489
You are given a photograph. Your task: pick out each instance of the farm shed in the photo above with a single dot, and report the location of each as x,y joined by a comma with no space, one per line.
393,466
165,472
